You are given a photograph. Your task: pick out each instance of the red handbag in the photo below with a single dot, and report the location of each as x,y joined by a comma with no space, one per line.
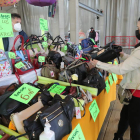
21,56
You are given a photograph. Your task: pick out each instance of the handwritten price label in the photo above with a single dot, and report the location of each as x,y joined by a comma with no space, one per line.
56,89
45,44
43,24
24,94
94,110
107,86
41,58
110,79
19,65
77,134
114,77
6,29
11,55
78,112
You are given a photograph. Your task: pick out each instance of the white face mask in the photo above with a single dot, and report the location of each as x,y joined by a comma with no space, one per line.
17,27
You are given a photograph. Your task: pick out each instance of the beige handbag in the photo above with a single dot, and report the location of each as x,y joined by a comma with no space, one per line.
18,118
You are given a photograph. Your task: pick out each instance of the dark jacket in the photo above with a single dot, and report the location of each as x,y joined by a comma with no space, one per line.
6,40
92,34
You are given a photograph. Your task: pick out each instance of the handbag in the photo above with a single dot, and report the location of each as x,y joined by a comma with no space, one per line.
87,42
94,79
50,71
9,106
108,53
125,95
5,68
21,56
18,118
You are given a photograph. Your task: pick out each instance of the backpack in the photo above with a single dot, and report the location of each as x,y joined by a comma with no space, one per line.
5,68
87,42
41,2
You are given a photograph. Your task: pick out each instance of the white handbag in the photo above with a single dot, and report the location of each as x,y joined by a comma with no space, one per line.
18,118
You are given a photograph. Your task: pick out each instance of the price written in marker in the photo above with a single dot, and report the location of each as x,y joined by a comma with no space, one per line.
19,65
24,94
43,24
6,29
11,55
41,59
45,44
77,134
94,110
107,86
56,89
65,47
110,79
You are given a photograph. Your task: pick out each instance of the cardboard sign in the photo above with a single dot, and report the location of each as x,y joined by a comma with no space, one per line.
6,29
19,65
43,24
24,94
114,77
45,44
110,79
45,38
94,110
77,134
56,89
107,86
80,48
11,55
41,58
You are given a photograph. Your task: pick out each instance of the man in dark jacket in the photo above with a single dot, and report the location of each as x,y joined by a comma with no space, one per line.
92,33
17,30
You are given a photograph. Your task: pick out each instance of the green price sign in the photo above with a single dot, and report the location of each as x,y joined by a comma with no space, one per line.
24,94
80,48
115,62
114,77
43,24
45,38
110,80
107,86
77,134
11,55
1,136
41,58
94,110
19,65
45,44
65,47
6,29
56,89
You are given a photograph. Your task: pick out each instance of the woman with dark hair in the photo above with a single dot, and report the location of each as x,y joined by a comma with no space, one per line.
92,33
130,69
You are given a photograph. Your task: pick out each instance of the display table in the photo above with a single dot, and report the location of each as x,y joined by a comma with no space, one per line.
90,128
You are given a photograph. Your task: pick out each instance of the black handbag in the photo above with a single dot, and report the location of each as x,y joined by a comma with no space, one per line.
59,114
107,53
95,79
9,106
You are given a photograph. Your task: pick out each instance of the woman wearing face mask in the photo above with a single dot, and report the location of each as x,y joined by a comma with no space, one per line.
17,30
130,69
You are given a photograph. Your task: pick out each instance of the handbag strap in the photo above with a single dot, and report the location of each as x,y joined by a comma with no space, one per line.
13,84
22,43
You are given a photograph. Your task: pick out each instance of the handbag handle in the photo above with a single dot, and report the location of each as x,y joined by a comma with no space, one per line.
22,43
13,84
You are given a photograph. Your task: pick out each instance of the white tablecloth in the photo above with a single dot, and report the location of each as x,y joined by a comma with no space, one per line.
28,77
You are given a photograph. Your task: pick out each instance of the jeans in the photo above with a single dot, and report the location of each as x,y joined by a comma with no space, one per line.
130,115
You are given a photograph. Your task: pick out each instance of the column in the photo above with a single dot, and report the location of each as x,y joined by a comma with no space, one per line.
74,21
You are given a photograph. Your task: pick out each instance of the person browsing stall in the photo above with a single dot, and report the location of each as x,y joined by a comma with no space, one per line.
17,30
130,69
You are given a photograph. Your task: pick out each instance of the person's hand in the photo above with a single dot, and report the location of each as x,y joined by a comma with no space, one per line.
121,54
92,63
